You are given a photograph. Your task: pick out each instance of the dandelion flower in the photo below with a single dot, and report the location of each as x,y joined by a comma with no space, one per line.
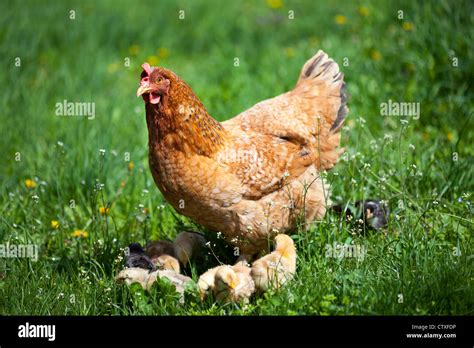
55,224
407,26
375,55
113,67
363,11
153,60
131,165
29,183
134,49
449,136
289,52
275,4
104,210
163,52
340,19
80,234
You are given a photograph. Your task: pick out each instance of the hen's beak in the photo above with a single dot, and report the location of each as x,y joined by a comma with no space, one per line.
142,90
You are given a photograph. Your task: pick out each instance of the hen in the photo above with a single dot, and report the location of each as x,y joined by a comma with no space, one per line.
252,176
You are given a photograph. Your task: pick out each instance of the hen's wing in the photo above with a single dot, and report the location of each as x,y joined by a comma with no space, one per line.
277,139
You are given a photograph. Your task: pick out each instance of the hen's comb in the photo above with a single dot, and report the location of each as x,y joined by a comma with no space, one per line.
147,68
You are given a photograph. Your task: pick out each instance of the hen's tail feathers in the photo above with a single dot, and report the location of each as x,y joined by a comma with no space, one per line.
322,73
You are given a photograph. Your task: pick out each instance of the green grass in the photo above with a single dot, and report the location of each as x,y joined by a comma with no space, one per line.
421,264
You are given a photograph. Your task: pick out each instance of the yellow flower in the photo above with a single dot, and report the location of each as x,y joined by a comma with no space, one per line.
363,11
289,52
134,49
442,108
340,19
449,136
131,165
411,67
375,55
55,224
80,233
29,183
104,210
152,60
163,52
275,4
407,26
111,68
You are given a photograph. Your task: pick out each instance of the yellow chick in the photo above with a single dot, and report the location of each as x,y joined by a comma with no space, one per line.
206,282
187,244
134,275
278,267
227,283
147,279
233,284
167,262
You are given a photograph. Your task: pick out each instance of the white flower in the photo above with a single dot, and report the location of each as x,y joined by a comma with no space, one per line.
388,138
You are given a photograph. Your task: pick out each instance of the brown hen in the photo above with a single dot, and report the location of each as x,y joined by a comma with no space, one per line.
253,175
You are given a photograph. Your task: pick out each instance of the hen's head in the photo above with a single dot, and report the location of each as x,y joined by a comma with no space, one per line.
154,84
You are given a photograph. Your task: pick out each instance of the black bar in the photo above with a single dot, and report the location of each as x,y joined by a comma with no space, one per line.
242,330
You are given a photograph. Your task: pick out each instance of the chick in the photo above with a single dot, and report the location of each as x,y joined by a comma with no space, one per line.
188,245
278,267
147,279
158,248
206,282
178,280
167,262
133,275
227,283
374,213
136,257
233,284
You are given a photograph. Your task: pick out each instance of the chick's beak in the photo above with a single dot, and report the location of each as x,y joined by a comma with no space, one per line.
143,89
232,285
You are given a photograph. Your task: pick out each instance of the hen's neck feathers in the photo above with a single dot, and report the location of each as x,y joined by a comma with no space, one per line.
181,121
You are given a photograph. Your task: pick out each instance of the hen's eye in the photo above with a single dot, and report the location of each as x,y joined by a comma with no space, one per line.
159,79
